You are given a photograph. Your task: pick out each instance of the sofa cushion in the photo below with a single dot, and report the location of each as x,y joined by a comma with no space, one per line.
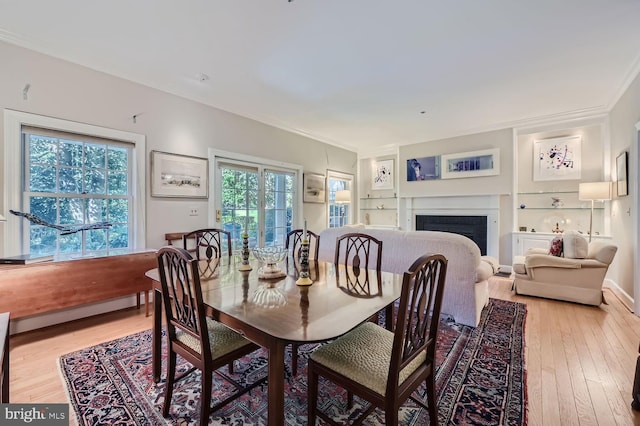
518,265
575,246
484,271
556,247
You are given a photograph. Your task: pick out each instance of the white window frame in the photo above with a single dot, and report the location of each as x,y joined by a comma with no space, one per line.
332,174
216,155
13,171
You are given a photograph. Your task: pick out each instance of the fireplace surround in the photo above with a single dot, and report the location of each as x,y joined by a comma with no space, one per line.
472,227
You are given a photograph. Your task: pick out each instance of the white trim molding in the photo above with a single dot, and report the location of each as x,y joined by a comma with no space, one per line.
13,122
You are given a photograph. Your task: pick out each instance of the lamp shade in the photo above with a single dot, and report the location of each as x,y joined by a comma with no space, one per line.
595,191
343,196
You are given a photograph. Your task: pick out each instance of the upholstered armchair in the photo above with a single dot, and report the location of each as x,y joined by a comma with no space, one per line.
575,277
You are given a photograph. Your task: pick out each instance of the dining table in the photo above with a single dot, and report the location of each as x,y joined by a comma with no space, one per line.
276,312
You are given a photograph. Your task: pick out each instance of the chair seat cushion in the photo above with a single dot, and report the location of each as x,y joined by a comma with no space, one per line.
221,338
363,355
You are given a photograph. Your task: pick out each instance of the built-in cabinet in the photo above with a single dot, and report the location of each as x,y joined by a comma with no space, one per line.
379,210
377,206
523,241
556,211
545,207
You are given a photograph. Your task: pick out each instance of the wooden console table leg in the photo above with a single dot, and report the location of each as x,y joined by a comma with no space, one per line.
146,303
138,300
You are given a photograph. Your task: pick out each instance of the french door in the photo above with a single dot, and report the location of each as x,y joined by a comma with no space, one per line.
257,198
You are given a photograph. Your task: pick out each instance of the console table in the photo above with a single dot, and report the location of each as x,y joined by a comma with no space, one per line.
45,287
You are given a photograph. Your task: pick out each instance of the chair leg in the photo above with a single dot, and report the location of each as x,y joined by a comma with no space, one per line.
294,359
431,397
168,385
312,394
205,398
230,367
391,415
349,400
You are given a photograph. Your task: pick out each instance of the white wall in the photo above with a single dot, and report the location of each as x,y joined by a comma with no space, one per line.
500,185
624,115
65,90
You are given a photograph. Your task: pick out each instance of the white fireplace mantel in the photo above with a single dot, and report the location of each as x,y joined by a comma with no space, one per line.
477,205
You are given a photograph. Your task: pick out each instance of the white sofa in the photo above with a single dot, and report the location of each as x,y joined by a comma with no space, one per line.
466,286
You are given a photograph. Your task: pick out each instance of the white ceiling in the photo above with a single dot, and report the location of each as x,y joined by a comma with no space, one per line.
356,73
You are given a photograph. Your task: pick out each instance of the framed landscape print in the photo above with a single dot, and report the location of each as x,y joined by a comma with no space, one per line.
557,159
471,164
622,162
314,188
175,175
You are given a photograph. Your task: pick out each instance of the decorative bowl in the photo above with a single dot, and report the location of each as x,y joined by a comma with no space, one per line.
270,256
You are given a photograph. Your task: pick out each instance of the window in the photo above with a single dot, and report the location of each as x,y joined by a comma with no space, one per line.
339,212
71,174
74,180
261,198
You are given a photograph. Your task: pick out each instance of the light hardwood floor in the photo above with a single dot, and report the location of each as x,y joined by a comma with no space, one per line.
580,360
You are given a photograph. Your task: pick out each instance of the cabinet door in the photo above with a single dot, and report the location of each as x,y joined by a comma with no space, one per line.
525,241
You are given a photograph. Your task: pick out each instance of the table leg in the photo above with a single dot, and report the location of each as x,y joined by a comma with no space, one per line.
156,351
275,415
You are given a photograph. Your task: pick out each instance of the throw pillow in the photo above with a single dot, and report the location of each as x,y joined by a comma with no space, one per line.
575,246
556,247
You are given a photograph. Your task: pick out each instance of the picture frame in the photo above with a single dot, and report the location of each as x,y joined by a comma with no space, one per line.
179,176
314,188
622,163
484,162
423,168
557,158
382,176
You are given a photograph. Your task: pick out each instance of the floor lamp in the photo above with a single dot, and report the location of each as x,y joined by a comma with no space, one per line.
594,191
343,196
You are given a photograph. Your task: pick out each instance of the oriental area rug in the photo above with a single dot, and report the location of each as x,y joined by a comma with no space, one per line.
481,380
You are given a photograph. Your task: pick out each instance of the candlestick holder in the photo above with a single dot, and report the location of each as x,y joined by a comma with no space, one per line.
304,278
245,266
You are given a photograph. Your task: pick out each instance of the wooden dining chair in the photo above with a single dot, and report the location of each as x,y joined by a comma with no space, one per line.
207,344
359,253
384,367
208,245
294,243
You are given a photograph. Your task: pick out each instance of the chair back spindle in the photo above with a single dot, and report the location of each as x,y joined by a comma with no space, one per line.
182,297
418,314
209,249
294,243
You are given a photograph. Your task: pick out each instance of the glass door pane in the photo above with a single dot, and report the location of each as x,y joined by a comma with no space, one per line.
278,210
240,206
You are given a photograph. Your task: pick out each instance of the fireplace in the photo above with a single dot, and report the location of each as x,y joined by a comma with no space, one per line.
473,227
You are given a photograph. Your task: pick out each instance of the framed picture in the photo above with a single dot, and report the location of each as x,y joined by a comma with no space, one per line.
557,159
314,188
423,168
382,175
175,175
622,162
471,164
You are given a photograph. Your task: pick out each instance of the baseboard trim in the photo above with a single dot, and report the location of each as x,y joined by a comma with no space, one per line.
622,295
